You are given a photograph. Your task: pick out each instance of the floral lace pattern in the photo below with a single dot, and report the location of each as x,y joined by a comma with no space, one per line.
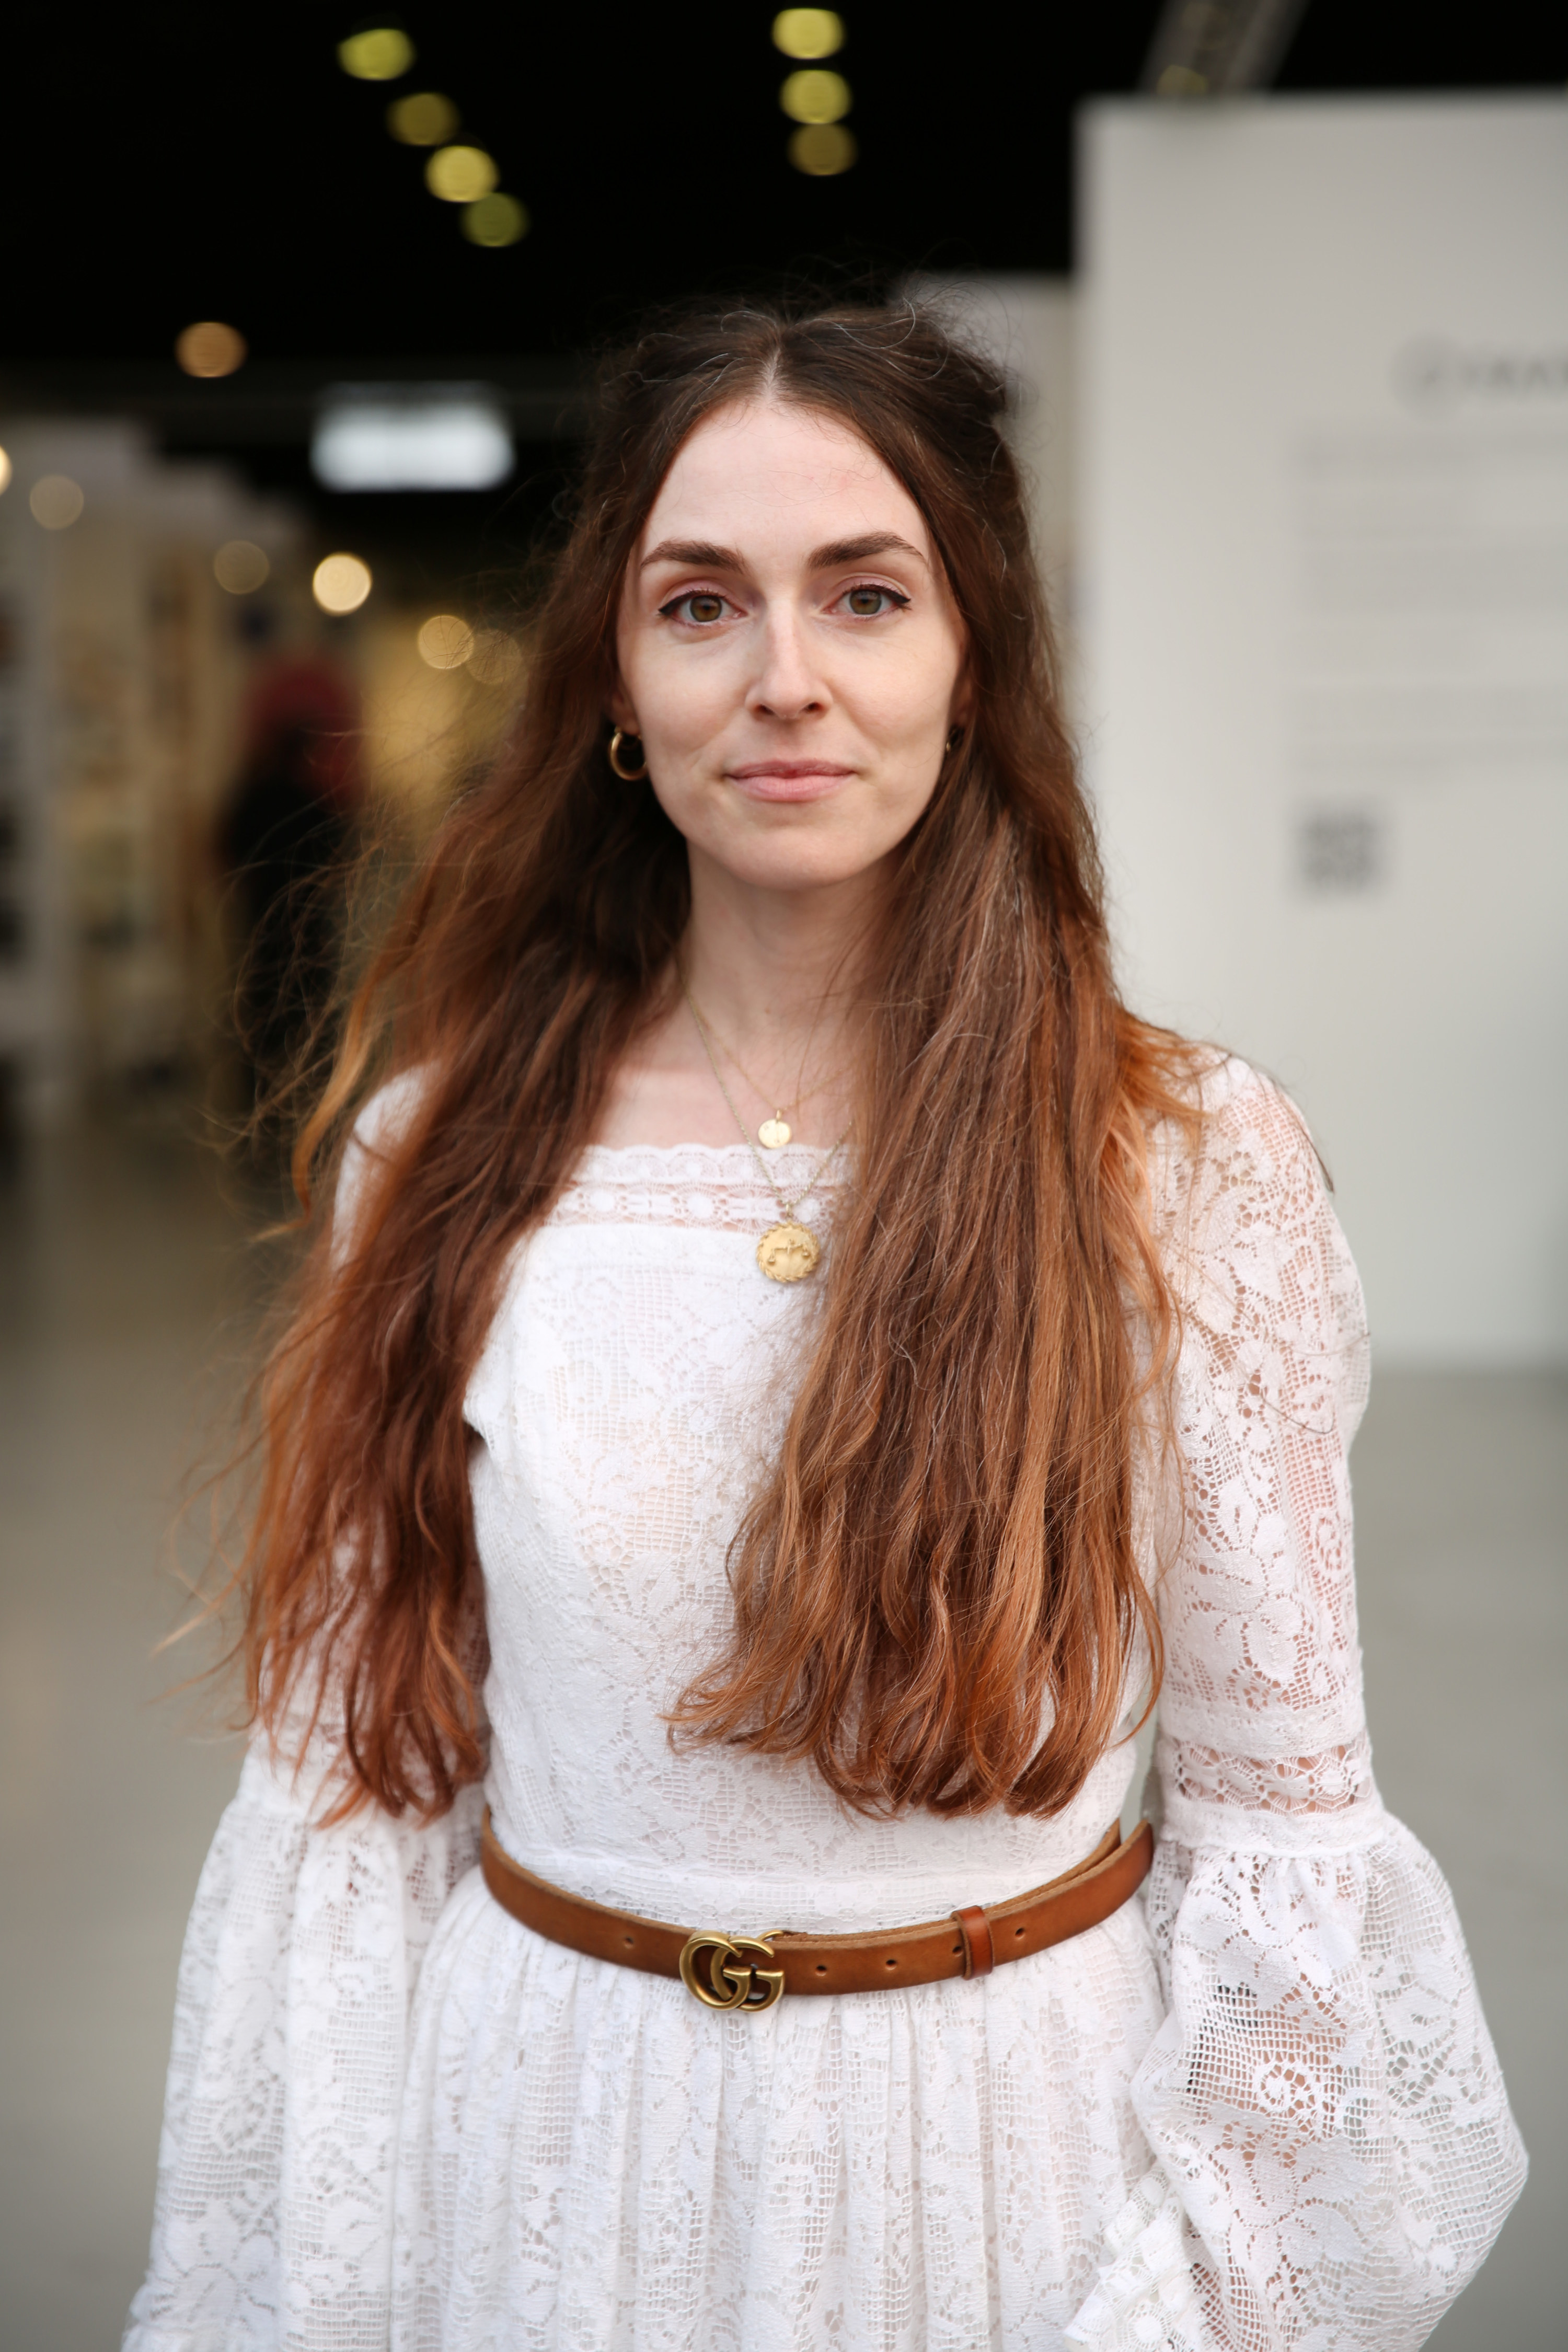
1258,2110
699,1186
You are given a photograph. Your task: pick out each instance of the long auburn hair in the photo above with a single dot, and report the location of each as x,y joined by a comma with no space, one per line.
935,1594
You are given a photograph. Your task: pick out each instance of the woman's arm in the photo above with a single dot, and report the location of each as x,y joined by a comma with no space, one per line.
1335,2150
273,2221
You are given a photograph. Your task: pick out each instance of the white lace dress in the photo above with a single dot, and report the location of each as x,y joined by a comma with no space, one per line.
1258,2107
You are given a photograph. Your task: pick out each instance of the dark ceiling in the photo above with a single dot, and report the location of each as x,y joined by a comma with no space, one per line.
217,162
179,162
170,162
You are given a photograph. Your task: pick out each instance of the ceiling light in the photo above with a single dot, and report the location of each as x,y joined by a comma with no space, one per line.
433,437
821,149
340,583
209,348
495,220
422,119
808,32
5,472
378,56
814,96
445,642
240,567
459,176
55,502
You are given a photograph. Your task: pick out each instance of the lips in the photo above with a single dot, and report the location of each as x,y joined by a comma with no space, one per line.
788,779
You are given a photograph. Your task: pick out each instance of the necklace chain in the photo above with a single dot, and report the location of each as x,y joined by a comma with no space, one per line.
795,1100
786,1208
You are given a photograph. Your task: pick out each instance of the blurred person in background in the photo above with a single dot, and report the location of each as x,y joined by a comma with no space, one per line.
286,839
790,1366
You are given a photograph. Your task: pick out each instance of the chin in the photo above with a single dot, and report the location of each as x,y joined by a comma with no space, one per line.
800,866
813,849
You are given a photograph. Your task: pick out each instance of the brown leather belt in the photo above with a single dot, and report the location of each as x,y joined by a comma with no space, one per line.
749,1972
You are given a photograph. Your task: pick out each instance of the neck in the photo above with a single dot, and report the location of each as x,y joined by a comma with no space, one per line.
781,974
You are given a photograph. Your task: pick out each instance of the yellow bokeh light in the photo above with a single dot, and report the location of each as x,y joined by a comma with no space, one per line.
240,567
5,472
821,149
461,175
495,220
445,642
422,119
808,32
55,502
497,656
210,349
378,56
340,583
813,97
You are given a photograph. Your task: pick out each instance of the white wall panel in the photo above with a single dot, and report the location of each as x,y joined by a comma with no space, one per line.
1324,567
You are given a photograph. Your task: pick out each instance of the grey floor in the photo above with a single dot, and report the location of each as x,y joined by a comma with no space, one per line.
125,1302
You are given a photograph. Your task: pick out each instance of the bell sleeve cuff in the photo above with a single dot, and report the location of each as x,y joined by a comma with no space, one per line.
273,2220
1335,2154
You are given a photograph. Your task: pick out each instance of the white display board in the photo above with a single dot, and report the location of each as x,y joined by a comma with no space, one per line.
1324,567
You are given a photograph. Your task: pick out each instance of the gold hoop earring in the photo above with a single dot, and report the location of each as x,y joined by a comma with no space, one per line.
627,775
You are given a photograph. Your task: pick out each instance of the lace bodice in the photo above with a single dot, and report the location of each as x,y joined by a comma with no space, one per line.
1257,2109
634,1389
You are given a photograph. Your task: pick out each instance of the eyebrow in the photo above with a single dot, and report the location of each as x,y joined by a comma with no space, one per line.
698,552
704,556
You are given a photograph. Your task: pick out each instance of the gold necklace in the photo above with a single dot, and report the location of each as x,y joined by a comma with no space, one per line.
788,1251
775,1133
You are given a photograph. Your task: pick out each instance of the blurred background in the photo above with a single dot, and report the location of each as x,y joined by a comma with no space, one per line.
299,309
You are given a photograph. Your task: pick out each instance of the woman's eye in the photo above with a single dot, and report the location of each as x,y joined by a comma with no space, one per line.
870,604
701,606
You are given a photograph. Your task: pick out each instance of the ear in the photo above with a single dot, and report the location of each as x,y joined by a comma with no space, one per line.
622,715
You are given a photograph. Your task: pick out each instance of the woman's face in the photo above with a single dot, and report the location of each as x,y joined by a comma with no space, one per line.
790,654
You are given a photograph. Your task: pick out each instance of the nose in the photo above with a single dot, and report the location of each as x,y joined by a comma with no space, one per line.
787,685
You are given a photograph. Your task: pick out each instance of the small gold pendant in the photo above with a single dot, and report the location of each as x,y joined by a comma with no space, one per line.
773,1134
788,1252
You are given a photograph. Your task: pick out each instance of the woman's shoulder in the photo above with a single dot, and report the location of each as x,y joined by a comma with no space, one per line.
1236,1127
383,1123
1233,1166
1244,1211
387,1114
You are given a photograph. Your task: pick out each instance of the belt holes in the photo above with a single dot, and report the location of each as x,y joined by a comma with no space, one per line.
822,1968
628,1939
956,1949
1017,1931
890,1964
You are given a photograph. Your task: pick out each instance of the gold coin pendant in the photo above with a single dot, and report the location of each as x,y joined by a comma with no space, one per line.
788,1252
773,1134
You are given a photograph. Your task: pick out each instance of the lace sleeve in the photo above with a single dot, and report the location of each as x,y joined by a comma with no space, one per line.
273,2222
1335,2150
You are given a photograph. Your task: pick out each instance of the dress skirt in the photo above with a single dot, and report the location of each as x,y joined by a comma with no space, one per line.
590,2160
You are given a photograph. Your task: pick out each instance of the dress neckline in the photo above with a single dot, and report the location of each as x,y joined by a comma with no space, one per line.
728,1152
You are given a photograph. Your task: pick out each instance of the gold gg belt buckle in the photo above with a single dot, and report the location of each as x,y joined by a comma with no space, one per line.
746,1986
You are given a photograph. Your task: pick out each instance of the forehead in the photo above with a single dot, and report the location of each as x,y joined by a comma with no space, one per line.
769,467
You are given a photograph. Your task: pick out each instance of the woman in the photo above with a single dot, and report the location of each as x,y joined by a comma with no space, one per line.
791,1364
